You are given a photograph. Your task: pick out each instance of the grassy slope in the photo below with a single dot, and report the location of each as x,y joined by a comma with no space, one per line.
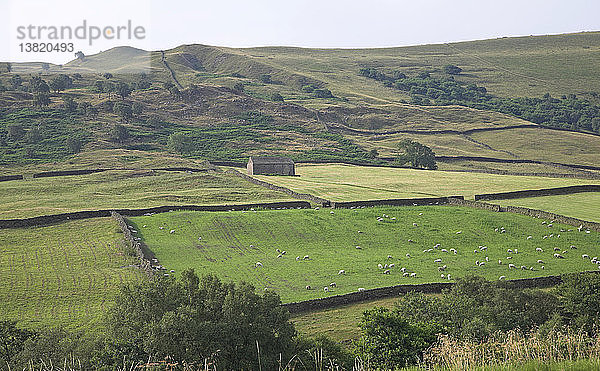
126,189
62,275
347,182
232,242
584,206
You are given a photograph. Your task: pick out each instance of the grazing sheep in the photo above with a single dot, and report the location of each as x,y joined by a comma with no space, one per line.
420,214
502,278
499,262
558,256
308,287
359,231
539,249
509,251
331,212
144,226
511,266
448,276
453,251
280,255
306,257
358,247
444,250
415,225
402,269
279,251
297,258
580,228
407,255
172,270
436,245
523,267
413,274
342,271
573,247
361,289
481,264
458,232
392,265
475,251
172,231
258,264
283,252
389,257
380,266
529,237
476,262
540,262
393,218
556,249
437,261
161,228
487,259
406,274
385,266
387,271
585,256
542,267
411,241
441,269
509,257
443,275
531,268
326,289
333,284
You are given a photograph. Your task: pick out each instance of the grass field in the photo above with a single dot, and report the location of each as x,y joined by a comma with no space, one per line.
341,323
584,206
62,275
230,243
126,189
340,182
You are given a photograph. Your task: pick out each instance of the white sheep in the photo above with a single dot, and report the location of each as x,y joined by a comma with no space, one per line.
413,274
444,250
358,247
443,275
258,265
389,257
529,237
540,262
333,284
361,289
326,289
308,287
306,257
437,261
502,278
392,265
172,231
407,255
415,225
405,274
387,271
511,266
585,256
453,251
499,262
539,249
297,258
342,271
380,266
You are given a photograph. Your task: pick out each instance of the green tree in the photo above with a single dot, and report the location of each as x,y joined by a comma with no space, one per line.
38,85
154,121
390,341
417,154
119,133
195,319
74,144
16,81
180,143
123,110
238,86
41,99
33,135
15,132
137,108
322,93
580,298
61,82
12,341
69,104
265,78
123,90
451,69
276,97
373,153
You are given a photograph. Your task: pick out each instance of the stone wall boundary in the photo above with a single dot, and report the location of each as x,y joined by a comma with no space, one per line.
538,192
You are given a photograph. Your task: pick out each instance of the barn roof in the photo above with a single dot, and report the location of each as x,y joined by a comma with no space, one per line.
271,160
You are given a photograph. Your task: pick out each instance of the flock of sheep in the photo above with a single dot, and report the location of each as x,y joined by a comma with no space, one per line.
481,259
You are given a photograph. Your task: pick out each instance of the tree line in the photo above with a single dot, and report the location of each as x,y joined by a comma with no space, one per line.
567,112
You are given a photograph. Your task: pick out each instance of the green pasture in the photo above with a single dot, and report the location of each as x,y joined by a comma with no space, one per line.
230,244
126,189
339,182
585,205
62,275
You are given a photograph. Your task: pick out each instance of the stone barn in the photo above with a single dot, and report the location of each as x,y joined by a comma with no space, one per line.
262,165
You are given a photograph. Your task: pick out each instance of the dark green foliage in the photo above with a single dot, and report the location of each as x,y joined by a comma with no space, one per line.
321,353
41,100
137,108
69,104
15,81
60,83
15,132
580,299
55,126
154,121
416,154
33,135
181,143
119,133
74,144
373,73
12,341
569,112
37,85
123,90
123,110
389,341
373,153
238,86
452,69
322,93
107,75
196,319
309,88
265,79
276,97
475,308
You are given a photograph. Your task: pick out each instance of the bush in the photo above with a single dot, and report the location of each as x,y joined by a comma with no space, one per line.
265,79
195,319
15,132
74,144
13,341
119,133
452,69
322,93
276,97
238,86
390,341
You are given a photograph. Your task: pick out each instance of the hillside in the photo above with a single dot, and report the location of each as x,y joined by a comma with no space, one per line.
227,104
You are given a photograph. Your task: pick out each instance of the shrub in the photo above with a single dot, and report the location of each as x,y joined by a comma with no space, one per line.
265,79
74,144
276,97
452,69
15,132
119,133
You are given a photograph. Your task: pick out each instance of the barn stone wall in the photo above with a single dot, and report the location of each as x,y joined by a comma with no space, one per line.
538,192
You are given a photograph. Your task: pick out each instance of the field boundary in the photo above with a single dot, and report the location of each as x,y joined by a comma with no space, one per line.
395,202
137,245
540,214
302,196
44,220
538,192
391,291
6,178
513,161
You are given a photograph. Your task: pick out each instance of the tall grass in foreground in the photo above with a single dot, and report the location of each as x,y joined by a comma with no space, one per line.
515,350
